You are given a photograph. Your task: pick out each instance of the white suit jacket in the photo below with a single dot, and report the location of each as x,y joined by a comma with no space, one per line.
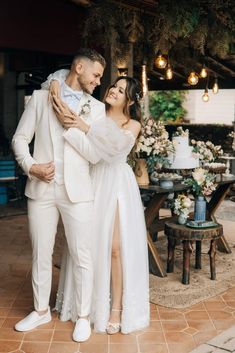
38,121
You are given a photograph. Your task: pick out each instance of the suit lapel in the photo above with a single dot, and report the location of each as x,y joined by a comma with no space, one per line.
82,101
52,121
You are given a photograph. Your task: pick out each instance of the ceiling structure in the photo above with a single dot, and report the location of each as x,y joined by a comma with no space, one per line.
190,33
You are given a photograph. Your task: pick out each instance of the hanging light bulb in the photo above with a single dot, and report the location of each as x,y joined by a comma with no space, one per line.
205,96
193,78
203,72
169,72
215,88
160,61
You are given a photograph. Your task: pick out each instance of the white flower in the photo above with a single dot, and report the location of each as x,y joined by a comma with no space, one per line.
180,132
203,183
154,143
150,122
182,204
165,135
207,150
187,202
85,108
199,175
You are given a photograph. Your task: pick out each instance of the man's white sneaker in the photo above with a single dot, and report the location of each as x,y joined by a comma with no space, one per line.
82,330
32,321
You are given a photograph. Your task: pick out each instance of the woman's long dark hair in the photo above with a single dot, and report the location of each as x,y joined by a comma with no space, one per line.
133,95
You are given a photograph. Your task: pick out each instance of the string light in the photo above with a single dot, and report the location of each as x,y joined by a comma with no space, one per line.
205,96
160,61
193,78
215,88
169,72
203,72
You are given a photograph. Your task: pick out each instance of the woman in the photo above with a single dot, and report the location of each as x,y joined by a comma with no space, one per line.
119,239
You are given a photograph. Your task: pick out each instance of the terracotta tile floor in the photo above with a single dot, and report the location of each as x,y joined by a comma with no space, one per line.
171,331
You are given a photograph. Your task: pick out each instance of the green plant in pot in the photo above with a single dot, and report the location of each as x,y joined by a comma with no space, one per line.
167,105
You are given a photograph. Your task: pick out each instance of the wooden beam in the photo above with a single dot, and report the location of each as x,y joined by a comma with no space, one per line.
140,6
222,66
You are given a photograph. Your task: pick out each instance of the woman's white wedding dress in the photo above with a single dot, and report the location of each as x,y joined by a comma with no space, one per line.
115,185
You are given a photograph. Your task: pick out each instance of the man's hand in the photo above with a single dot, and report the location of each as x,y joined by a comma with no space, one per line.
43,171
62,111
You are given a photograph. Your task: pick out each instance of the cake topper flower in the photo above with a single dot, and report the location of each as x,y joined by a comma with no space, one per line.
181,132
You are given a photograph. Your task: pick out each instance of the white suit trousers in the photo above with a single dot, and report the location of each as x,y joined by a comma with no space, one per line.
43,217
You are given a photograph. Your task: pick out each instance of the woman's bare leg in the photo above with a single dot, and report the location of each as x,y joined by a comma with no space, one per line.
116,273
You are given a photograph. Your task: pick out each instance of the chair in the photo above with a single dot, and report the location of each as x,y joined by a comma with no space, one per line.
8,181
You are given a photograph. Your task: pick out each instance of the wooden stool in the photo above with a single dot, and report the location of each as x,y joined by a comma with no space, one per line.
175,232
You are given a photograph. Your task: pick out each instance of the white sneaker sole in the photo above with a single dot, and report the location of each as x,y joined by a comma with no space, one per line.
83,339
33,326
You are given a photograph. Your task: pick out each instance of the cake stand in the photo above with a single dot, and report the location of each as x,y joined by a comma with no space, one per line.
228,159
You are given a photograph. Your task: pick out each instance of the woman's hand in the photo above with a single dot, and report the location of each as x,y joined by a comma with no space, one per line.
78,123
54,90
67,117
62,111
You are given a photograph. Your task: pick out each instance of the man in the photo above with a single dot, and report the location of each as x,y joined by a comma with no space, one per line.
59,184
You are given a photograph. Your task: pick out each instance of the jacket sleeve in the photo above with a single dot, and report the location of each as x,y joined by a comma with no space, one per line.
24,135
80,141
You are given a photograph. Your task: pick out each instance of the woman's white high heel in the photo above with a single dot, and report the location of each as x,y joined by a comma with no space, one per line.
113,327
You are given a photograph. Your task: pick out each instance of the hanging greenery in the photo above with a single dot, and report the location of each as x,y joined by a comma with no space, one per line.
207,27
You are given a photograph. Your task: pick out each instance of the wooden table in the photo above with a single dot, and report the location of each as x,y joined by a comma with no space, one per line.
217,197
177,232
157,197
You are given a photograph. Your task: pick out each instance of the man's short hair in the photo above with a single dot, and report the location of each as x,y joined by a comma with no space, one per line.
91,54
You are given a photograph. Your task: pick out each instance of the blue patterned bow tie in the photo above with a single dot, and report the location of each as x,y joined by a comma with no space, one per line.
68,92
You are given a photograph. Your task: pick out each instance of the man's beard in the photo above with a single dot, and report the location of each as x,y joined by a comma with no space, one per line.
83,85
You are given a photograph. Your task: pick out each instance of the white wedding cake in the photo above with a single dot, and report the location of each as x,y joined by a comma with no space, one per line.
183,157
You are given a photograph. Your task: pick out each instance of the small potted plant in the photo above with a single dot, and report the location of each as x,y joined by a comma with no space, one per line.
182,206
203,184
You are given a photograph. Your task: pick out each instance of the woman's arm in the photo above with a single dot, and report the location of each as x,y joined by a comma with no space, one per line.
59,75
53,83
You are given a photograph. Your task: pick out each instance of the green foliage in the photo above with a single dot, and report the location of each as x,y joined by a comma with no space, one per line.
203,27
167,105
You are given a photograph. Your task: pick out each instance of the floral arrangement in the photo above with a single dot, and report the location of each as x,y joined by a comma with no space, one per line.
85,109
207,151
154,144
202,182
182,205
181,132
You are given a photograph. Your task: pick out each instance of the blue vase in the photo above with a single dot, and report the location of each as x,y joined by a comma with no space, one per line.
200,209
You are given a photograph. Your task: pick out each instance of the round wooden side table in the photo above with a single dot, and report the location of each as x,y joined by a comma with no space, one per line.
176,232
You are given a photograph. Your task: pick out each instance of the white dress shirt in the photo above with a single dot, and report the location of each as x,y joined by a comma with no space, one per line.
71,98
